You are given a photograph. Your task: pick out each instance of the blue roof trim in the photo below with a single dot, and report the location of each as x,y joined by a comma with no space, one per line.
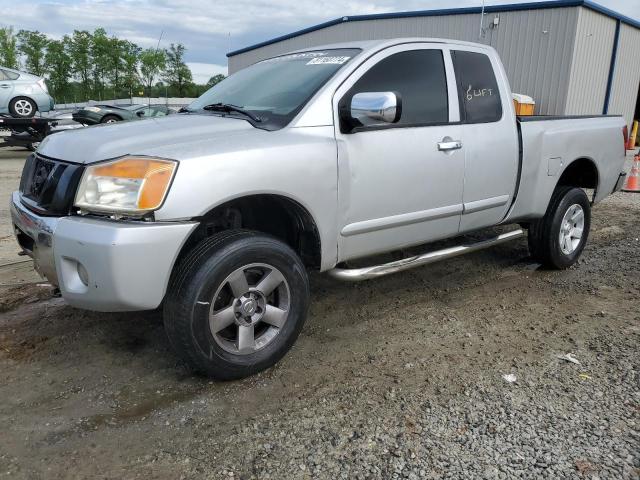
611,13
612,68
449,11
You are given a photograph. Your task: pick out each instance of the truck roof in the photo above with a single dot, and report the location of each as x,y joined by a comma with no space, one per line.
374,45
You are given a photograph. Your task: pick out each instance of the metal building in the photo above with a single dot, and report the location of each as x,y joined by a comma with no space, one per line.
572,57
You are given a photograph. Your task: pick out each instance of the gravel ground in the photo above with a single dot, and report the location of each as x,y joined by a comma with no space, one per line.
11,161
400,377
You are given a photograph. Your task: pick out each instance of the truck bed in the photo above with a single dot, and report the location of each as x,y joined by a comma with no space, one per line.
549,144
538,118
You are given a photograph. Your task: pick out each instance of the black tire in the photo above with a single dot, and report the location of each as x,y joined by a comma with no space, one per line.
110,119
198,279
544,234
13,107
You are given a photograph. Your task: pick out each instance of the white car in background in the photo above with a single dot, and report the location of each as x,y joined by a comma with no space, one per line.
23,94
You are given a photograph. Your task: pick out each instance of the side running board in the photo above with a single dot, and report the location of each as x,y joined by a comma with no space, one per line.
375,271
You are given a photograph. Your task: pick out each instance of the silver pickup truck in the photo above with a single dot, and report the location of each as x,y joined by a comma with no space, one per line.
303,162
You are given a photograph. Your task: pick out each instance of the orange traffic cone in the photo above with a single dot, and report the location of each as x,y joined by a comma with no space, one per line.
633,179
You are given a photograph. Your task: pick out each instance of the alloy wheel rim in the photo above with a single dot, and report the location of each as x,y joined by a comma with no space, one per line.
571,229
249,308
23,107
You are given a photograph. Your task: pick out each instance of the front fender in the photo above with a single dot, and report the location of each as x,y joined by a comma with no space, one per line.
296,163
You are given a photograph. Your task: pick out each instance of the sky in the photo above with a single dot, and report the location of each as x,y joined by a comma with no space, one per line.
211,28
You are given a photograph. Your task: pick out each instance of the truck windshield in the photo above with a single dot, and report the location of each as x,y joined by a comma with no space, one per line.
275,90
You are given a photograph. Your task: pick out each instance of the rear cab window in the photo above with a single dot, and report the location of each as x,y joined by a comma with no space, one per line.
477,87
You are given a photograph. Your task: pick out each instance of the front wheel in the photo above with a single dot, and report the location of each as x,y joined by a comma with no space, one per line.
558,238
236,304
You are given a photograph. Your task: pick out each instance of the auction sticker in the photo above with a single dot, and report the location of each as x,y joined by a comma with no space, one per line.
328,61
294,56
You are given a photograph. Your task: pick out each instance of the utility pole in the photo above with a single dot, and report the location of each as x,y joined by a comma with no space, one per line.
481,20
157,48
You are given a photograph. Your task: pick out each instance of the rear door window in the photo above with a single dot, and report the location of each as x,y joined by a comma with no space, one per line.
419,77
8,75
477,87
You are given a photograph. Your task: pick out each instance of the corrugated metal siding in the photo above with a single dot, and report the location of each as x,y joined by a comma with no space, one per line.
535,45
626,77
332,34
591,62
536,48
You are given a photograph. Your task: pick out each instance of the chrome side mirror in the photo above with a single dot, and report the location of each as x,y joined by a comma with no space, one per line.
376,108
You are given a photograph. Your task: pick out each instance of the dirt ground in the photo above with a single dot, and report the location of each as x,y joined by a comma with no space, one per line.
378,367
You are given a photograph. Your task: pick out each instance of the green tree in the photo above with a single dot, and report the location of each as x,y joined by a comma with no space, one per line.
176,73
115,64
130,58
59,66
85,65
100,60
215,80
8,48
152,62
80,52
33,46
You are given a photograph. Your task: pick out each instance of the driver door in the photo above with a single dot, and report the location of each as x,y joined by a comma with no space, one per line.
397,186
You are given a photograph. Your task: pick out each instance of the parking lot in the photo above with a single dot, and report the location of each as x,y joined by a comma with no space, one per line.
400,377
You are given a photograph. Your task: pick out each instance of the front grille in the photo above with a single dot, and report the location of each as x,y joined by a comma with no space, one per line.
49,186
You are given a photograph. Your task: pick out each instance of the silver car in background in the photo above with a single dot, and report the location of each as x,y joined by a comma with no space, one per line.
23,94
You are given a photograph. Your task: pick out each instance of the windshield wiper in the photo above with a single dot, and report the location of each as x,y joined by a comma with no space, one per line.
228,107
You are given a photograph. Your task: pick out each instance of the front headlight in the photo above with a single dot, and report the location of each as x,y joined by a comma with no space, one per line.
130,185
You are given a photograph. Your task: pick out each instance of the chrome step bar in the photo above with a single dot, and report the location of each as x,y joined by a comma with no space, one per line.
375,271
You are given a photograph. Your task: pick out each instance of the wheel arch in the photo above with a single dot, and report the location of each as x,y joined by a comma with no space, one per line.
275,214
119,117
582,173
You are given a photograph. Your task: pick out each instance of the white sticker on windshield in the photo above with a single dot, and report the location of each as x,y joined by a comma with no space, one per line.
294,56
328,61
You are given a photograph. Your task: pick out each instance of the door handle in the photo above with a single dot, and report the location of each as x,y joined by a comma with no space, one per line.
5,86
449,145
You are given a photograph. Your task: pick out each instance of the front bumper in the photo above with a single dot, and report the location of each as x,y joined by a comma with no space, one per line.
126,265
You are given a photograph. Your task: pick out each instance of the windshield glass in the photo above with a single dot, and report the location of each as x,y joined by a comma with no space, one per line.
275,90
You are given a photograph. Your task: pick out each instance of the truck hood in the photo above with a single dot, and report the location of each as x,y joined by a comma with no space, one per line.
145,137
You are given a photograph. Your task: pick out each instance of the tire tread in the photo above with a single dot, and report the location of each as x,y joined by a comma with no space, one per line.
541,237
177,308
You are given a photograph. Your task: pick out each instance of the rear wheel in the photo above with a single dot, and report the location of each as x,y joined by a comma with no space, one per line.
22,107
558,238
236,304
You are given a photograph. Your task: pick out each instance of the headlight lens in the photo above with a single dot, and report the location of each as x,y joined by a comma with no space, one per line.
92,109
132,185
